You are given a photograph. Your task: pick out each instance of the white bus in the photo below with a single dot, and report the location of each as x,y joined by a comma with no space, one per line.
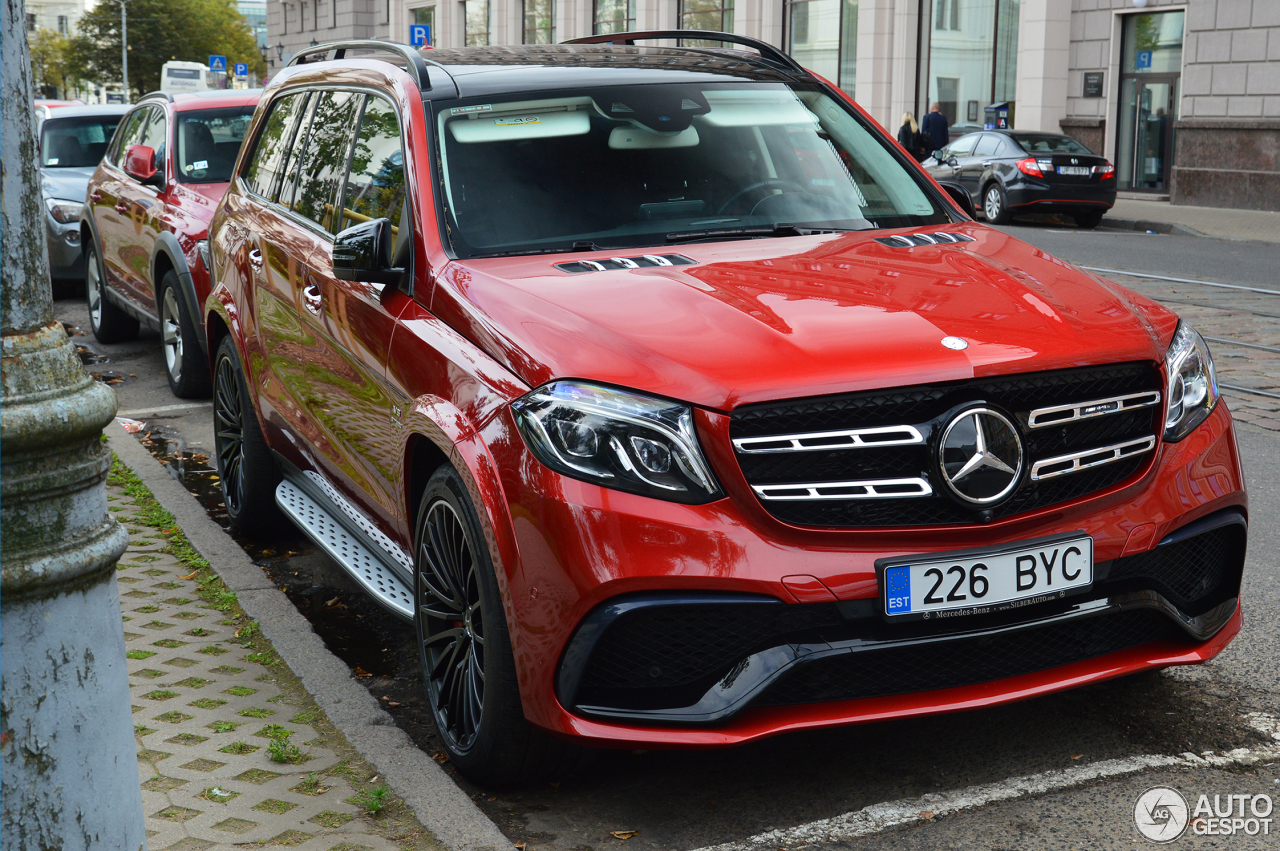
184,77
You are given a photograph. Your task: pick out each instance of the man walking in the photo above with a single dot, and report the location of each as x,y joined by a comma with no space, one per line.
934,128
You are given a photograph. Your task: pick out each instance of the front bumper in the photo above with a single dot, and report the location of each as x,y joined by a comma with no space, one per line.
66,255
584,550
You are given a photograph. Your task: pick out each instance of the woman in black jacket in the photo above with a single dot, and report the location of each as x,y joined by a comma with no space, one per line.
909,136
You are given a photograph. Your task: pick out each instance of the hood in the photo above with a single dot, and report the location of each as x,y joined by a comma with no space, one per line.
67,184
779,318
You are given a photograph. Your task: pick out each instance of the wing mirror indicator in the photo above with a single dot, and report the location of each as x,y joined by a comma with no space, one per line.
363,252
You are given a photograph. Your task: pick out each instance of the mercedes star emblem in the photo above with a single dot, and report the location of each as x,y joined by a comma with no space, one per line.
954,343
980,456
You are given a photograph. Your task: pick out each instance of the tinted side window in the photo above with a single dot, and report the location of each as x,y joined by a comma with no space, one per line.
289,174
986,146
128,134
324,158
963,146
273,145
375,187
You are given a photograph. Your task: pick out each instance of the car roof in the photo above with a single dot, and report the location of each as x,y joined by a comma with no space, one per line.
92,109
212,99
479,71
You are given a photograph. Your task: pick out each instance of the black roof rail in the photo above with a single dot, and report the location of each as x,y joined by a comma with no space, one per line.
166,95
338,50
767,51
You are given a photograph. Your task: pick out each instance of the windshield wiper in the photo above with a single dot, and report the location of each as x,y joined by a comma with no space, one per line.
755,232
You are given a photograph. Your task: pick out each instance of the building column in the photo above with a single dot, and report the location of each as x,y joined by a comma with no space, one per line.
873,89
906,40
1044,49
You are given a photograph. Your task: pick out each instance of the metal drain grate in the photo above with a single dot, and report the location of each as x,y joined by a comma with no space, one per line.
354,557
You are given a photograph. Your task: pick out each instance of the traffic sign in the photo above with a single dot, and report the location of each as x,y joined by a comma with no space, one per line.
218,64
242,69
419,35
1143,60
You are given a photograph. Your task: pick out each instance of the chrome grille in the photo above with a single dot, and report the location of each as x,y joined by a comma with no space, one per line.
868,459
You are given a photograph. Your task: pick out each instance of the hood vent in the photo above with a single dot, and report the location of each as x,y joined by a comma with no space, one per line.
911,240
609,264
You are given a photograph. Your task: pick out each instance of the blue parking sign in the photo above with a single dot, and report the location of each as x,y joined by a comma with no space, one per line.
419,35
242,69
1143,59
218,64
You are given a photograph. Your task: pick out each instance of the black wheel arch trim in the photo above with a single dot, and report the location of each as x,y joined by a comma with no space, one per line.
167,244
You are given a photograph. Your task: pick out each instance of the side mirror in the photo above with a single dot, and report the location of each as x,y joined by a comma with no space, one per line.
961,197
937,155
363,253
140,164
953,162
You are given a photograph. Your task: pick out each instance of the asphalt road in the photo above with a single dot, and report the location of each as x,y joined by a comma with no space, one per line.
810,787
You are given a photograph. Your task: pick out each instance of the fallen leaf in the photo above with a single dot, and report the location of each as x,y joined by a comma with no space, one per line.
519,845
193,576
440,757
361,672
335,601
393,704
623,834
1077,756
927,815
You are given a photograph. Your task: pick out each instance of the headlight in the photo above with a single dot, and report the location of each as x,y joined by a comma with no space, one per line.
202,249
617,439
1193,387
64,212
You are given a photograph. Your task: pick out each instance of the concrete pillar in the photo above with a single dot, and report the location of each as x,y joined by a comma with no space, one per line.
902,90
874,87
1044,47
68,764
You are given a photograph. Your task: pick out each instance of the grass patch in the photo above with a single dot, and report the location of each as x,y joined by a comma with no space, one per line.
223,726
275,806
139,654
311,786
168,643
371,801
199,632
274,731
255,712
307,716
161,694
217,794
213,650
174,717
266,659
228,670
194,682
330,819
240,691
207,703
239,748
141,730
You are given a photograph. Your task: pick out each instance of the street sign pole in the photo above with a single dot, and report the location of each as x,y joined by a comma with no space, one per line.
124,46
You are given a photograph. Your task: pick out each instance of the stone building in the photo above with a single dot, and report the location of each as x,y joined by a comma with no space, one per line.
1182,95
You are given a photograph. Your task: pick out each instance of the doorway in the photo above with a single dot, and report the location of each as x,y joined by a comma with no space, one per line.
1150,80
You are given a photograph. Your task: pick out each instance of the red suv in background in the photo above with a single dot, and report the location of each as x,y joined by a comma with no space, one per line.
677,406
146,218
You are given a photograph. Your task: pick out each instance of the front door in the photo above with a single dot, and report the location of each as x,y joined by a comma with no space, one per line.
1151,62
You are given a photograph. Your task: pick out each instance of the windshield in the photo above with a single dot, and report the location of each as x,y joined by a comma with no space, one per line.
1038,144
76,142
637,166
208,142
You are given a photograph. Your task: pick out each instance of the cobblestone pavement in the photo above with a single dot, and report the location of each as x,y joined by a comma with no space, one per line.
205,707
1259,225
1238,316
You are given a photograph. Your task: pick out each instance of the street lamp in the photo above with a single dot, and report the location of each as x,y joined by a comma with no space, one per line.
314,42
280,51
124,47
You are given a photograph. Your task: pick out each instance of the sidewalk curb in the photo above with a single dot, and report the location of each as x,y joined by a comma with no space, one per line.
1166,228
436,801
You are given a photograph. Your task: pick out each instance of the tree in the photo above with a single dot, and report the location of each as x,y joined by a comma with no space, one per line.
52,62
160,31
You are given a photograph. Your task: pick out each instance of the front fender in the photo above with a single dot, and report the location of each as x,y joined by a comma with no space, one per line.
166,244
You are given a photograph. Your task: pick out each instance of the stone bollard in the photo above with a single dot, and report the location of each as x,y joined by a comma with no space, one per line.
68,764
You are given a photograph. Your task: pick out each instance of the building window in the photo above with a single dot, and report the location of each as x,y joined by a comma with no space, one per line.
31,22
62,24
477,15
426,15
972,58
822,36
613,16
539,22
707,15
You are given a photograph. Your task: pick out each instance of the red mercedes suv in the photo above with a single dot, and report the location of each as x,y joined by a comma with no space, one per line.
146,218
677,406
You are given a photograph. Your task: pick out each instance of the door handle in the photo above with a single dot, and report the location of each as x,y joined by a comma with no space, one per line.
255,258
95,196
988,164
312,298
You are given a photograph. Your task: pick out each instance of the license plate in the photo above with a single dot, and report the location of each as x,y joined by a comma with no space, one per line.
973,582
1081,170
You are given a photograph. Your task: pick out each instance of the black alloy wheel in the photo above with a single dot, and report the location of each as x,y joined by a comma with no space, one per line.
247,472
451,625
465,648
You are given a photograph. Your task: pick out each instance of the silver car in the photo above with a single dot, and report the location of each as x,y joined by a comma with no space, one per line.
72,142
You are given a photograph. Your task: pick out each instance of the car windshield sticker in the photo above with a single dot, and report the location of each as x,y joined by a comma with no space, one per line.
200,164
52,161
519,120
465,110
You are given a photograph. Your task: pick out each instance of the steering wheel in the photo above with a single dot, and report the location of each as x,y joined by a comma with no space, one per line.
768,182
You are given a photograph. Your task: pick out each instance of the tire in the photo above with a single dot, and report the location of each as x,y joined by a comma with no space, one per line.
247,473
1089,220
108,323
995,207
459,613
184,363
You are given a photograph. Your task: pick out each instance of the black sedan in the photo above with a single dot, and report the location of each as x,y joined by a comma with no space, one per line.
1011,171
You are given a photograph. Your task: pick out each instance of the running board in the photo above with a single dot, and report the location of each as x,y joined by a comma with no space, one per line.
347,550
